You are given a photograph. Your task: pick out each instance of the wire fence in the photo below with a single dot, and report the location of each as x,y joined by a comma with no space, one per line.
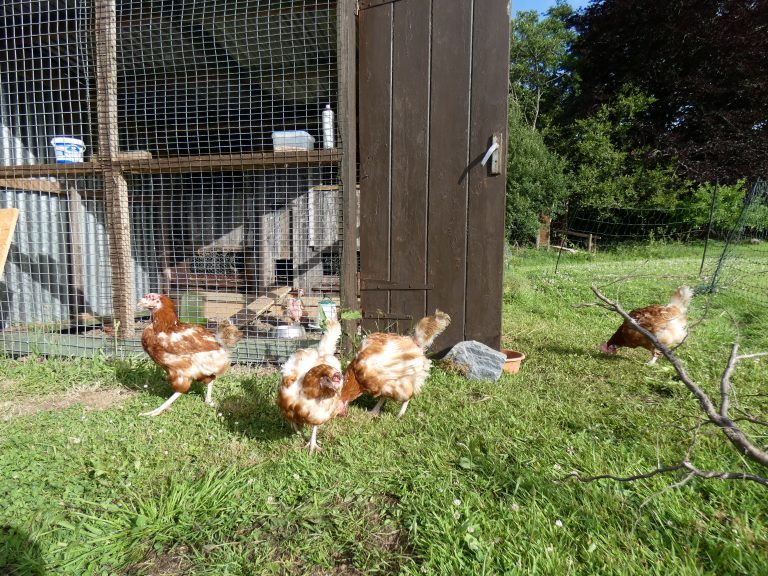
183,147
734,258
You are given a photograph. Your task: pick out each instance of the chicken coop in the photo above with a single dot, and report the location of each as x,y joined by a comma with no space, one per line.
209,150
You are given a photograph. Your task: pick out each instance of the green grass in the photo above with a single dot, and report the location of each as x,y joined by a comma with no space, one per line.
470,481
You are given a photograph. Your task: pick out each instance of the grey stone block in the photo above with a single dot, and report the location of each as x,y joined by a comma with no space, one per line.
480,361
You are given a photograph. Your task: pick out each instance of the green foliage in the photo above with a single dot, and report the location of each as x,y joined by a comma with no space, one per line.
704,65
538,52
609,169
536,183
728,204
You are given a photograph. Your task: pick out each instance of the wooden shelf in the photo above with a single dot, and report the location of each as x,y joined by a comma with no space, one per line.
180,164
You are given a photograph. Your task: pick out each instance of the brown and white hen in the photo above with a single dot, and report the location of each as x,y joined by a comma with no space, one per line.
669,323
186,352
310,388
391,365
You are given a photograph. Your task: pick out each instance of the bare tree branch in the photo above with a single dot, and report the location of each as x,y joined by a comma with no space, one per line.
725,382
720,418
749,418
725,475
755,355
651,474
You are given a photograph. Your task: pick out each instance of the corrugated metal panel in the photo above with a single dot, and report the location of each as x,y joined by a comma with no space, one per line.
36,287
35,275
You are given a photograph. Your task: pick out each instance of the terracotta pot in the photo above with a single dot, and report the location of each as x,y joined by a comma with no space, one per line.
514,359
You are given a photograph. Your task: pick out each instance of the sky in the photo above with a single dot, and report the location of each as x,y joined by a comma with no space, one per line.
542,6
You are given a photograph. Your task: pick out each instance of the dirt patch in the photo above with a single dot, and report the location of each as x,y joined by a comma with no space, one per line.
91,399
173,562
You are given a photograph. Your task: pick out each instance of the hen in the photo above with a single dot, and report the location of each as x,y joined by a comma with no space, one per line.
294,307
311,384
186,352
668,323
391,365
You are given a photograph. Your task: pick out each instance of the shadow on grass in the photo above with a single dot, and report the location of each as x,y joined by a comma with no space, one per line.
19,554
149,378
254,412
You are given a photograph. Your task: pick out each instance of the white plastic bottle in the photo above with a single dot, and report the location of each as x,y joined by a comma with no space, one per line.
328,138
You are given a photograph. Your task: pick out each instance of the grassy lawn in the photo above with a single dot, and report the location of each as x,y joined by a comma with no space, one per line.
469,481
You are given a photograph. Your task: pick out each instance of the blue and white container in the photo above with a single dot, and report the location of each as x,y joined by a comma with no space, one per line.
68,150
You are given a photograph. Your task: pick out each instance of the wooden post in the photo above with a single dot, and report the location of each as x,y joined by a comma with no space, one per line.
75,212
347,122
115,186
542,238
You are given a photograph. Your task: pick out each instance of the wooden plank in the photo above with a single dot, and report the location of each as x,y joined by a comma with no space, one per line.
410,135
179,164
248,350
31,170
76,216
231,162
115,185
486,199
375,105
8,219
31,185
448,158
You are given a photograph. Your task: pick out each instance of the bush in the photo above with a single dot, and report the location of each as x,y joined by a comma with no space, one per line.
536,181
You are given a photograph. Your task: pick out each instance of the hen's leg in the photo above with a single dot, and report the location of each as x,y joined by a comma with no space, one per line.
296,427
313,440
654,357
403,408
377,409
163,407
208,381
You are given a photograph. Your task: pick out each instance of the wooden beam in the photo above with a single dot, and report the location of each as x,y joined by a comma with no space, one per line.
31,184
115,186
178,164
76,215
347,65
31,170
230,162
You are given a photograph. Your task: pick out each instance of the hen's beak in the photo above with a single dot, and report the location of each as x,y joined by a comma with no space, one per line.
337,381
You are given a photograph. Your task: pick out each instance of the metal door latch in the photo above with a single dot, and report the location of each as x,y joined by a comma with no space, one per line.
493,153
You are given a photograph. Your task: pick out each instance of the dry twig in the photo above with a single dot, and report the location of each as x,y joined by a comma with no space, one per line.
714,416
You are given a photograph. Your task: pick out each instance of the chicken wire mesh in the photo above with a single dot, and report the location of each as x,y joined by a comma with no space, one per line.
181,147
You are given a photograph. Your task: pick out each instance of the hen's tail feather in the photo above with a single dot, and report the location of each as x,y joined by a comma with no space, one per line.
430,328
681,298
228,335
327,344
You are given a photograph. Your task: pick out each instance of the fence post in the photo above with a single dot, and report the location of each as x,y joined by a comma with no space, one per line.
709,226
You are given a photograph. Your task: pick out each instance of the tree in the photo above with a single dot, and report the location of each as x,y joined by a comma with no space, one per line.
609,169
704,64
539,50
536,181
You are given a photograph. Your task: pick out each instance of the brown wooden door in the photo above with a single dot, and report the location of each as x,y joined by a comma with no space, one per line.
433,78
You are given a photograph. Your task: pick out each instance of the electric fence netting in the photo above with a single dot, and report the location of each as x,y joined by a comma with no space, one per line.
733,264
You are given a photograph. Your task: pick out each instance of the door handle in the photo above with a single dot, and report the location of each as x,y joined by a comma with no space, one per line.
493,154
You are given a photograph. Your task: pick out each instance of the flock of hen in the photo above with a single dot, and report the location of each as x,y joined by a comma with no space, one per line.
314,389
